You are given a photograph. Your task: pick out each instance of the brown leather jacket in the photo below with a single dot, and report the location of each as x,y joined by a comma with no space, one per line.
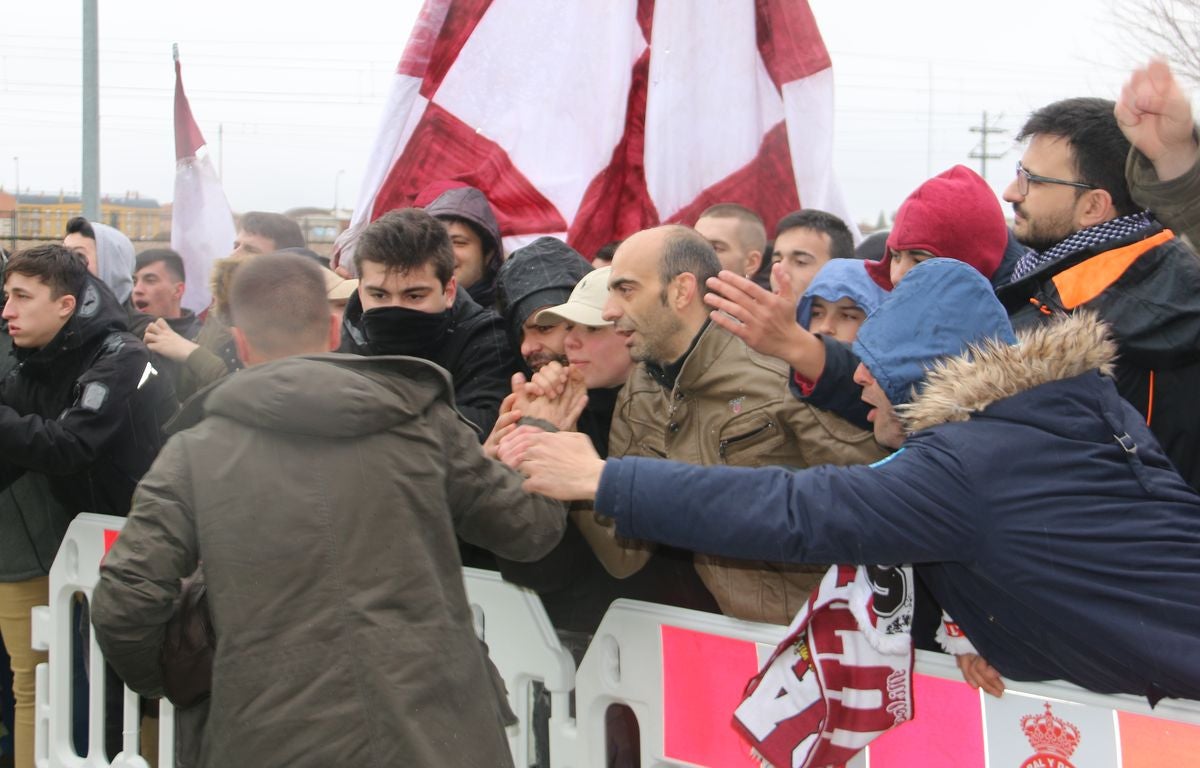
731,405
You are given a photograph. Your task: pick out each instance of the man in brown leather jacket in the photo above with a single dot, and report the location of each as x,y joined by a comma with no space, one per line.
700,395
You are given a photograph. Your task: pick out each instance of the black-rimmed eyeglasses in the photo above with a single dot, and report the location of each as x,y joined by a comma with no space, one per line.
1024,177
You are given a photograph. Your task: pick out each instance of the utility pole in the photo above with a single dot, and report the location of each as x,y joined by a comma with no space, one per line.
981,153
91,112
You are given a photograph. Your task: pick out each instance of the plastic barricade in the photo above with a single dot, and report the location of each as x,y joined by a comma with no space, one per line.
683,672
76,570
524,648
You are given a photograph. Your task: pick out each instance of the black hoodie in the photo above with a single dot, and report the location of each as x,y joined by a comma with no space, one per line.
84,412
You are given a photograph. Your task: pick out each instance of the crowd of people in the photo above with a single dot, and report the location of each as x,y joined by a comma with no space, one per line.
705,417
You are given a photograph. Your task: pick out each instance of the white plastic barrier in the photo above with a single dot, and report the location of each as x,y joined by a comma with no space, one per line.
524,647
76,569
680,671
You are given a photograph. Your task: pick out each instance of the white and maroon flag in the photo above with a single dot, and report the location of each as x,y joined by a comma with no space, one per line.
202,228
594,119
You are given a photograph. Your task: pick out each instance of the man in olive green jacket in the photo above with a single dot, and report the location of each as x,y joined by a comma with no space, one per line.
700,395
326,527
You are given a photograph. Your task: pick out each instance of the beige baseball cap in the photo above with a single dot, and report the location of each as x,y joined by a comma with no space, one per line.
585,303
338,288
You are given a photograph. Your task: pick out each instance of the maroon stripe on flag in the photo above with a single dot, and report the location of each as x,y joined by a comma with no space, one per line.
789,40
423,38
617,202
444,148
645,17
765,185
461,20
188,138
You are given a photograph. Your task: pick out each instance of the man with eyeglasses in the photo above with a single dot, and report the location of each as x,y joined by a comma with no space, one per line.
1094,249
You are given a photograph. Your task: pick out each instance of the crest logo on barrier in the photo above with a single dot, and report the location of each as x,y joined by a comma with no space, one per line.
1053,739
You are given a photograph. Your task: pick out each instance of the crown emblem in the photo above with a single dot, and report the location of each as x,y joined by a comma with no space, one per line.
1050,735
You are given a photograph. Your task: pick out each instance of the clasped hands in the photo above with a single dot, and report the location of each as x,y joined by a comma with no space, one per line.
563,464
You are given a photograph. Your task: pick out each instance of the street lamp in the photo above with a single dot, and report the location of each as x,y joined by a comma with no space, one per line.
16,229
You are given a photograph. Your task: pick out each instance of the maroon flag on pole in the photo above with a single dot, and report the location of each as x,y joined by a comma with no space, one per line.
592,121
202,228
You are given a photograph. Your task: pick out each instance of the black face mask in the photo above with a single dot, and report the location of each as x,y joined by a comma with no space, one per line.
401,331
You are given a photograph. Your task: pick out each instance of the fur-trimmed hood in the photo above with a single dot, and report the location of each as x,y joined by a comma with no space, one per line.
957,387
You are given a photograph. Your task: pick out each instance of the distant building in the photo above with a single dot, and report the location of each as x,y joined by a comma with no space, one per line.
43,216
319,225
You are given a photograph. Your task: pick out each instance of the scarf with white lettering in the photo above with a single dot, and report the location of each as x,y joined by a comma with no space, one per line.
841,677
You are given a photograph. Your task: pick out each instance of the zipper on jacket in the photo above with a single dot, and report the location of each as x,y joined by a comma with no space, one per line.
723,447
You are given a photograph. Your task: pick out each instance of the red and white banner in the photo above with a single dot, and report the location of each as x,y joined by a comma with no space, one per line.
202,228
595,119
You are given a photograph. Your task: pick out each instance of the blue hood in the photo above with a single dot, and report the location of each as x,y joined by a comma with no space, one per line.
838,279
941,307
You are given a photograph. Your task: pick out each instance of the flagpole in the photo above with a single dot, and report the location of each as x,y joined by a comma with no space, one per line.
90,191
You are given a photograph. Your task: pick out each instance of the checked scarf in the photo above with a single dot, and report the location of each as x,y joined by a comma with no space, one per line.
1113,229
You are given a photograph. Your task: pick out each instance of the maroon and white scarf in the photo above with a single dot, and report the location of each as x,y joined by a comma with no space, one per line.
841,677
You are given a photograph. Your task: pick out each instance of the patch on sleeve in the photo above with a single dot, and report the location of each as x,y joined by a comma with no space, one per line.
93,397
886,459
113,344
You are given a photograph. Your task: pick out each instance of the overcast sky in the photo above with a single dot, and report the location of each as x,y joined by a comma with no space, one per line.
296,92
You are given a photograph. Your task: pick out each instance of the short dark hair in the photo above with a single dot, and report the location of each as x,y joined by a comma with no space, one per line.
282,231
686,251
278,301
750,228
80,225
1098,147
170,259
606,251
406,239
56,266
841,242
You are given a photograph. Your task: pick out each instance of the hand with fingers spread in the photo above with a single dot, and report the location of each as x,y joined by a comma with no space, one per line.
163,339
561,465
979,674
766,321
1155,115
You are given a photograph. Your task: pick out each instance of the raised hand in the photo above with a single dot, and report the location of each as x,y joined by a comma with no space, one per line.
163,339
1155,115
765,321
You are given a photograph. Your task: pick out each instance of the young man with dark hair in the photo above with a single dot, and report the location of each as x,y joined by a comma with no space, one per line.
79,424
260,232
806,240
737,234
159,281
536,276
274,475
1095,250
475,238
110,256
408,303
